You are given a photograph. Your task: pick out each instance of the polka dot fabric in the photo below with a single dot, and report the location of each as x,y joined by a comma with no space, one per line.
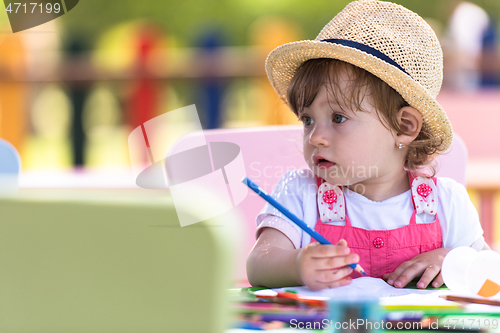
331,203
424,194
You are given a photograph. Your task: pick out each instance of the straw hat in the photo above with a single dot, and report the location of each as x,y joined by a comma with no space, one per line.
387,40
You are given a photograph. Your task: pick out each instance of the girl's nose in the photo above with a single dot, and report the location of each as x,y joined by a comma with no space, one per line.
319,136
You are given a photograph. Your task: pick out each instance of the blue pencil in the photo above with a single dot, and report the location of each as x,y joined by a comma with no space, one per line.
313,233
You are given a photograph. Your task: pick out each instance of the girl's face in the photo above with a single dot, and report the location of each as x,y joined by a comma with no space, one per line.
346,147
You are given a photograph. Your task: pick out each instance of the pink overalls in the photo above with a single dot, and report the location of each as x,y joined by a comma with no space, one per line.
381,251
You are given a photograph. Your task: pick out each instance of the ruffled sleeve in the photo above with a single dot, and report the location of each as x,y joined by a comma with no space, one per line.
290,191
458,216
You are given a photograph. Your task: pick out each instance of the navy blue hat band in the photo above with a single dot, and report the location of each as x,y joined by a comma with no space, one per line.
367,49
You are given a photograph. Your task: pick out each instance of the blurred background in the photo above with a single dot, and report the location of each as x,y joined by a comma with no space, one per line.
73,89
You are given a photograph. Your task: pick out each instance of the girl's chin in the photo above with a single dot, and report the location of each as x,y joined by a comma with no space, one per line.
333,177
323,167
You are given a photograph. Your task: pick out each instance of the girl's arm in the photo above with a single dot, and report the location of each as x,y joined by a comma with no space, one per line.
274,262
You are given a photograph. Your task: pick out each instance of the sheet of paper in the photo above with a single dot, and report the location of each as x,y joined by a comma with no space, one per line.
368,288
364,287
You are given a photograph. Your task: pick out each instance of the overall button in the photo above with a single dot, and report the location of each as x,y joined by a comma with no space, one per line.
378,242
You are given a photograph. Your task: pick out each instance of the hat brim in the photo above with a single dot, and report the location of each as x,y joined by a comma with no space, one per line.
283,62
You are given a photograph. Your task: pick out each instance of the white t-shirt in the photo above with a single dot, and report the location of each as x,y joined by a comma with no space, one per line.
296,191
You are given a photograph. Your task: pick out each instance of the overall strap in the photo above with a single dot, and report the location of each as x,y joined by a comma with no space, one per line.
423,194
319,180
331,203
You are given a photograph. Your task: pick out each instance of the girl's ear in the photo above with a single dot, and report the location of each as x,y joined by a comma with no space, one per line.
410,122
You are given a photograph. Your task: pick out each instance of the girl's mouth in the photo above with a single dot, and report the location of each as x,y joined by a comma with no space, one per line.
321,162
324,164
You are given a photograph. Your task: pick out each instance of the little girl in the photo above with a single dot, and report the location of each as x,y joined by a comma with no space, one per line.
365,91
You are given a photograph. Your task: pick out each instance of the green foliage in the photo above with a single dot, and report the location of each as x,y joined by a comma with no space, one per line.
186,19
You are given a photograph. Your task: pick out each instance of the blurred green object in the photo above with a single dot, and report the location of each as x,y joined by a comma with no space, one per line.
110,262
185,19
413,285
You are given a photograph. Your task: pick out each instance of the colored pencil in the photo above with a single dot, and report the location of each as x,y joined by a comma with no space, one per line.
471,300
313,233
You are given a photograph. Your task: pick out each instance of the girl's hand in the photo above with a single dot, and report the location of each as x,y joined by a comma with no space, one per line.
427,265
325,266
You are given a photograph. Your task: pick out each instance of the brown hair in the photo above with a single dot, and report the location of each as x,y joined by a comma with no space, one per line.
313,73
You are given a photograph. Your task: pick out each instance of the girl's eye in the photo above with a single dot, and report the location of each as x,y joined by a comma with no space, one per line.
307,121
338,118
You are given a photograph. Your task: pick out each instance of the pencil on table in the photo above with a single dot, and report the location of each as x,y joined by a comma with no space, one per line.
471,300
